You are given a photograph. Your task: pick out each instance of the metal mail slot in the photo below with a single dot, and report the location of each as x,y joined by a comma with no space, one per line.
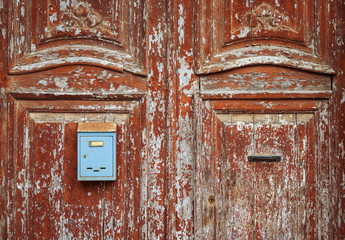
264,158
96,143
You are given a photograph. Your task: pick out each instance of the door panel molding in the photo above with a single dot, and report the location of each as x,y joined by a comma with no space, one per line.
109,35
228,131
234,34
45,189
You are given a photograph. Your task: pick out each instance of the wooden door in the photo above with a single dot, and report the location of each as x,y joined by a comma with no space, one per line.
70,62
265,74
197,89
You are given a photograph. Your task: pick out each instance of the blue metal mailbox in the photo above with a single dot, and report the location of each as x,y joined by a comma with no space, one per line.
96,155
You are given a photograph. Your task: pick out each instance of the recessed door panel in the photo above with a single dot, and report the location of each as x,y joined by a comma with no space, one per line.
263,171
50,202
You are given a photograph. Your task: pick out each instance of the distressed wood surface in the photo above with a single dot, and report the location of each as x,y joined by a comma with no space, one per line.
194,87
262,79
339,110
182,84
305,174
235,34
263,200
77,80
58,206
4,130
238,175
56,33
46,210
275,183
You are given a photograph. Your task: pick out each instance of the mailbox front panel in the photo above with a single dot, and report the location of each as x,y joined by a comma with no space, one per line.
96,156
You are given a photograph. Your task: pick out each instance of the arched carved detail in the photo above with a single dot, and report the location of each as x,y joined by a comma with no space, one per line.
58,32
233,34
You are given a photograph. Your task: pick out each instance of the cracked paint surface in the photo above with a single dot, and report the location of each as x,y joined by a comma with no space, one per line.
195,87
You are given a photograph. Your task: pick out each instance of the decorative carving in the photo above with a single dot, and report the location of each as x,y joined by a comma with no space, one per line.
77,32
81,15
266,17
237,33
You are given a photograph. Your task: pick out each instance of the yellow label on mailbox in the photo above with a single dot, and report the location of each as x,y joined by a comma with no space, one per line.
96,143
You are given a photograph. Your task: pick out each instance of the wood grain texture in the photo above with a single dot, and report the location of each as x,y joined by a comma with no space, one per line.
234,34
275,183
263,199
305,174
155,213
181,83
256,79
339,112
57,33
56,204
4,109
47,180
194,87
237,217
76,80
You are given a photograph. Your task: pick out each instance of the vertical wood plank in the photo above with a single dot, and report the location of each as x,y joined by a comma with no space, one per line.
207,168
11,173
198,212
182,84
306,176
322,210
339,119
238,178
174,224
218,173
47,141
144,170
21,181
156,117
333,49
5,192
275,182
132,168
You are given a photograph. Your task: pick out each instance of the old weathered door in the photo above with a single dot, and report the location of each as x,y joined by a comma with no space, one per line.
69,62
265,167
229,118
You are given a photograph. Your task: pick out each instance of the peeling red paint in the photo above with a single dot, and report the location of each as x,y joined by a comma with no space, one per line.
194,87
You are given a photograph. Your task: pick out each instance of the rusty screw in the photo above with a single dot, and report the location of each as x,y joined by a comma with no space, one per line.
211,199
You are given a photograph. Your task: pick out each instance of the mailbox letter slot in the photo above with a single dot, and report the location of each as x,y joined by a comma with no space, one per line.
264,158
96,143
